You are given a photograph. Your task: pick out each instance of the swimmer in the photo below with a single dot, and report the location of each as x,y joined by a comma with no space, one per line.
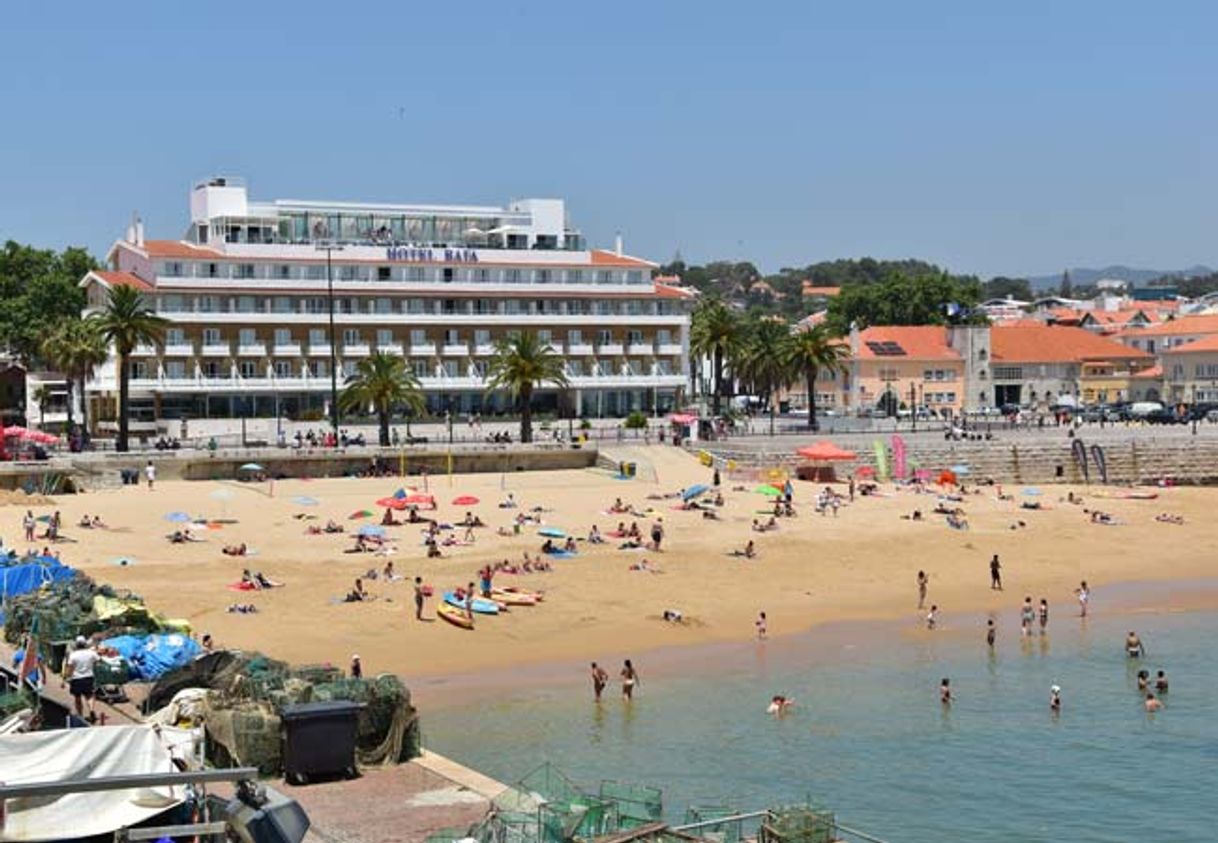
1026,615
1151,703
945,691
1055,699
779,705
1084,597
1161,682
1143,680
600,678
630,679
923,583
991,632
1134,648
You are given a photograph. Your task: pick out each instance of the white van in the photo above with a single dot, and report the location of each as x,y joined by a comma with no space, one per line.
1140,409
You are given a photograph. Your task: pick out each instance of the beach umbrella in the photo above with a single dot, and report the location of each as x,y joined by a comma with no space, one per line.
864,471
372,530
960,470
768,490
465,500
305,500
420,499
45,519
178,517
947,478
1031,491
400,494
551,533
392,503
251,466
695,490
825,452
360,513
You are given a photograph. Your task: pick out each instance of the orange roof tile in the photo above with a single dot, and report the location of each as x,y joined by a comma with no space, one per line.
178,249
1149,374
810,290
1055,344
667,291
1206,323
600,257
121,279
920,342
1206,344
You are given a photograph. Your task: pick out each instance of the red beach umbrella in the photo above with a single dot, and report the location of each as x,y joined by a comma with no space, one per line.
465,500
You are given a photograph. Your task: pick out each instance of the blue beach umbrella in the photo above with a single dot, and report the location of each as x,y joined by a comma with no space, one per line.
551,533
178,517
400,494
695,490
305,500
372,530
961,470
1031,491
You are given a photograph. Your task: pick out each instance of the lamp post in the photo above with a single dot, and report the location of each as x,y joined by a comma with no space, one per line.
329,249
913,408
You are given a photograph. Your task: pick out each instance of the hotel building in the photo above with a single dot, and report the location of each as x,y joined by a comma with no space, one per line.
248,290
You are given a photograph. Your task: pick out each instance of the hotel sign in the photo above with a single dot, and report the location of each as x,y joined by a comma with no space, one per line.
412,254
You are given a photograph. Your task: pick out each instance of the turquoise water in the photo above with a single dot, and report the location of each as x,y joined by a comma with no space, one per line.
869,739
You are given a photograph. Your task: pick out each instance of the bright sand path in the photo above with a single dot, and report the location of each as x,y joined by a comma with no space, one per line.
815,569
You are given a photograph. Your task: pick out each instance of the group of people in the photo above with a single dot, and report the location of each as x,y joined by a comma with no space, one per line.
629,677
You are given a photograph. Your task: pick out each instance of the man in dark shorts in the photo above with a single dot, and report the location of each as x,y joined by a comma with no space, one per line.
419,598
995,574
78,670
600,678
657,533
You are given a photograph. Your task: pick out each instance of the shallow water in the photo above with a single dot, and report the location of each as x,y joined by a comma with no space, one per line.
869,739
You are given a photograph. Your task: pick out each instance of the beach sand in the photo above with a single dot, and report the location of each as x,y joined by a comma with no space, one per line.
813,570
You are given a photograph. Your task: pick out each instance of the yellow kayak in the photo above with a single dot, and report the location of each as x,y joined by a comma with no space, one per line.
454,616
514,598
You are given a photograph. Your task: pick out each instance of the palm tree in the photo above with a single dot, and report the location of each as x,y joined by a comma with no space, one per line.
76,349
765,359
715,333
126,322
383,382
521,363
811,351
42,397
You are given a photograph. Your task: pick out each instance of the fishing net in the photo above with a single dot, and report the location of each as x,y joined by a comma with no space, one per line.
728,832
242,734
798,825
636,804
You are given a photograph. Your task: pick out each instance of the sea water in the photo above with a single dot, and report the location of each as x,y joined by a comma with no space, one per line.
869,739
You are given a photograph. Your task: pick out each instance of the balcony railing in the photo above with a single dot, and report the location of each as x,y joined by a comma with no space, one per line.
217,349
287,349
319,349
484,349
611,348
579,348
251,349
390,348
181,349
668,349
143,351
356,349
455,349
640,348
422,349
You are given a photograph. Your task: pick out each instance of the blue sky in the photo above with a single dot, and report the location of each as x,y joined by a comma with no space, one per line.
1019,140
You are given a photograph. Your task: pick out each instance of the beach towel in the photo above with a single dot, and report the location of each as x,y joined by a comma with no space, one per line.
561,554
242,586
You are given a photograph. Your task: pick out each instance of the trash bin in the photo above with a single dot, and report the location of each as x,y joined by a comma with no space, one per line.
319,739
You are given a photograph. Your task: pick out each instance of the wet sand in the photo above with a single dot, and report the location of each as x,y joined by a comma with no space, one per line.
814,570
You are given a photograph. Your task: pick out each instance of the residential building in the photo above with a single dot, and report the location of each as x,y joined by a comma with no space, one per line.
1190,372
1155,339
899,366
249,291
1037,366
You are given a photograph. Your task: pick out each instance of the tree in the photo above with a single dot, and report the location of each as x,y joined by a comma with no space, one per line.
764,360
1002,287
76,348
905,300
521,363
811,351
39,289
42,397
1067,288
715,333
382,382
126,322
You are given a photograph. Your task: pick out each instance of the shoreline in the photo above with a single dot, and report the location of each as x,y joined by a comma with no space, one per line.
1126,598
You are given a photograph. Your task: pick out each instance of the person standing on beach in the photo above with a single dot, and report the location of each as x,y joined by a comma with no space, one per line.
991,633
1044,615
469,602
600,678
1084,597
150,473
923,582
995,574
657,533
762,627
357,667
1026,616
28,523
932,617
419,598
715,478
630,678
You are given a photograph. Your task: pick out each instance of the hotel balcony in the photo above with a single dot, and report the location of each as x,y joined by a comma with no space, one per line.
251,349
556,346
484,349
394,348
182,349
611,348
640,348
579,348
287,349
356,349
319,349
456,349
423,349
217,349
144,351
668,349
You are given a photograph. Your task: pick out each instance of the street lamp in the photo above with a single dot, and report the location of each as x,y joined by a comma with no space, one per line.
329,249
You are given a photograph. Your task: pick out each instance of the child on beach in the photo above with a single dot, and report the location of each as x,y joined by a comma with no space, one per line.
932,617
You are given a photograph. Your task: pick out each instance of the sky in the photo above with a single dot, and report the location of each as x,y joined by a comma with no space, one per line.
1016,138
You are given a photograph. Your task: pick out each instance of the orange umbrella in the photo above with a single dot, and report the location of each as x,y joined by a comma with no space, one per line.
825,452
392,503
947,478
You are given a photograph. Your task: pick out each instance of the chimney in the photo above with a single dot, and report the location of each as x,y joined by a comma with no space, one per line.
617,245
139,232
130,238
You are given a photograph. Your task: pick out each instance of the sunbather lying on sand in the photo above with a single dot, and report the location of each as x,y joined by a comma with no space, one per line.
749,552
235,549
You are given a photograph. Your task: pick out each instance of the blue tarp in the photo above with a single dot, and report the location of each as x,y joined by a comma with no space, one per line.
30,575
152,656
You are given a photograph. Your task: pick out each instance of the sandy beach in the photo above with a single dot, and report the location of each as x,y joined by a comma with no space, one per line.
813,570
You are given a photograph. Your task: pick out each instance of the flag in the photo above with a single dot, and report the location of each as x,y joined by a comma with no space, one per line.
30,664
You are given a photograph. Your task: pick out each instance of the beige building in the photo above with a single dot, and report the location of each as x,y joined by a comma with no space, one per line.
1190,372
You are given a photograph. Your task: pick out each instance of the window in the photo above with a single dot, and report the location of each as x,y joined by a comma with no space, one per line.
451,336
543,276
382,306
175,369
211,336
317,336
211,270
209,304
575,368
420,369
1199,371
477,369
384,337
351,336
416,273
316,272
575,337
281,271
247,369
545,337
283,368
448,306
348,368
483,307
928,375
418,336
575,276
939,374
1008,373
349,272
949,398
511,306
246,336
243,270
283,336
449,274
511,276
281,304
663,367
604,336
246,304
384,273
175,336
604,276
173,269
634,276
212,369
482,275
138,370
664,336
449,368
634,337
482,337
321,369
316,304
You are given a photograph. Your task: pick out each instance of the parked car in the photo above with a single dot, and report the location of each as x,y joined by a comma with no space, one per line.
1162,416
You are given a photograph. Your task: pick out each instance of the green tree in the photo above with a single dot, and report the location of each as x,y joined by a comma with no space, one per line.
715,332
42,397
76,348
1066,290
811,351
904,300
521,363
1002,287
125,322
382,382
764,360
39,289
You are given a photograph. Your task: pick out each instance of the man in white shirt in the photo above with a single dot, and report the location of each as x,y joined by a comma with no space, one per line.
78,671
150,473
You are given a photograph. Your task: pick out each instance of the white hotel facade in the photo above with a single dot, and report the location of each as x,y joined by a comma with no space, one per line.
247,295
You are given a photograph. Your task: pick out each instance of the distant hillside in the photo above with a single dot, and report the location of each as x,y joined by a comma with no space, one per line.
1083,276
